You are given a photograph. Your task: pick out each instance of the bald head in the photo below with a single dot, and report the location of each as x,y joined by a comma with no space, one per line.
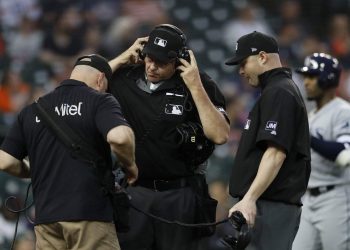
90,76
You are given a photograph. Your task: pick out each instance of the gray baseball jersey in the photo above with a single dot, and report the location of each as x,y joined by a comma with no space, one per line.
330,123
325,219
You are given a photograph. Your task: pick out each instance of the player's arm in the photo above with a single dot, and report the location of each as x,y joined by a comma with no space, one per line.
269,167
122,142
215,126
337,151
13,166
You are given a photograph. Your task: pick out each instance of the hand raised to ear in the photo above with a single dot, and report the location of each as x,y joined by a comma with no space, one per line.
189,71
130,56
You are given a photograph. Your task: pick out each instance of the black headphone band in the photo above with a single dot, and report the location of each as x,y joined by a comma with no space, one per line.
174,29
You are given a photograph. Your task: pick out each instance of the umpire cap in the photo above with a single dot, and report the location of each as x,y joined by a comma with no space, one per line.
165,43
252,44
96,61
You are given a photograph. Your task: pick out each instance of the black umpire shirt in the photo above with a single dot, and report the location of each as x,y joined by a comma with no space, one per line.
154,116
279,116
66,189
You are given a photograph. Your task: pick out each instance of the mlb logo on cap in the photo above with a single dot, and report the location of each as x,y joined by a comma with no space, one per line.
160,42
164,45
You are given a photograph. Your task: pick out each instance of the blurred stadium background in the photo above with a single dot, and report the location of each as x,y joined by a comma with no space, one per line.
40,40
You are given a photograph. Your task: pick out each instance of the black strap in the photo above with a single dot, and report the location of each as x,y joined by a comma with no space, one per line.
75,143
78,147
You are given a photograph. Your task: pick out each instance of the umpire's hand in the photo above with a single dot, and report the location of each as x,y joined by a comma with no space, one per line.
131,173
247,208
189,72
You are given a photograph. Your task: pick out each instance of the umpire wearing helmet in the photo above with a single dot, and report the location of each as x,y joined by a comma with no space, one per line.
325,220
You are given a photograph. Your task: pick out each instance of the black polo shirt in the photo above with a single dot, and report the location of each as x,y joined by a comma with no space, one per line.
154,117
66,189
278,116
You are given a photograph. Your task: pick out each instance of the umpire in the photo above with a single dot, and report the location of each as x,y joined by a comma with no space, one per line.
165,91
272,165
69,200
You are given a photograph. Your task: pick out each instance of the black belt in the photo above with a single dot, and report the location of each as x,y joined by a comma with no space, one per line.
320,190
163,185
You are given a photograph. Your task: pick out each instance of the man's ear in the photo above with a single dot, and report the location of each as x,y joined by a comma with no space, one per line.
100,81
262,58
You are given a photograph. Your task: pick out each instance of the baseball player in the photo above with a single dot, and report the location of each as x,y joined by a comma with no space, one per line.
325,220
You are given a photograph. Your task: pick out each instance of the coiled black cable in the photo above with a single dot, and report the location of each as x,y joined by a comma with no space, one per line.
18,212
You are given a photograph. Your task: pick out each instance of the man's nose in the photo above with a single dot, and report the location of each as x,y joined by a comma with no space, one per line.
153,66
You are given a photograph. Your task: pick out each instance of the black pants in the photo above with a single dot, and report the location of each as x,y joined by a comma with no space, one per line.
149,234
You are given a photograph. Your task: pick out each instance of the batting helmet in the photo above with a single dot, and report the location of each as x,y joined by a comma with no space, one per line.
325,67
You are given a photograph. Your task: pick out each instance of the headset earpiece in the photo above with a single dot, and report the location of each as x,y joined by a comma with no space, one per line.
141,54
185,54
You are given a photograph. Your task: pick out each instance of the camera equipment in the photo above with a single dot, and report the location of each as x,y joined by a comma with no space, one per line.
241,236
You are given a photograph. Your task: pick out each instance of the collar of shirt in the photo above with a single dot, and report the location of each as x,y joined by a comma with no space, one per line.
137,73
267,77
71,82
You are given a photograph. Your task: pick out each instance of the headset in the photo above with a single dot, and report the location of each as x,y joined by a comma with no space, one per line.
183,51
325,67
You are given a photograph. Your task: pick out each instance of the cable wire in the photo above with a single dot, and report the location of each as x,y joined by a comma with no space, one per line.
18,212
196,225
